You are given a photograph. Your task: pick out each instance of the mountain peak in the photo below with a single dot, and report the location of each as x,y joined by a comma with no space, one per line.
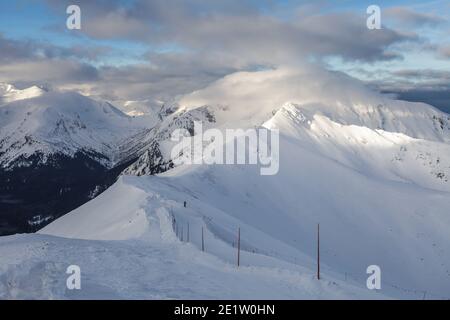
9,93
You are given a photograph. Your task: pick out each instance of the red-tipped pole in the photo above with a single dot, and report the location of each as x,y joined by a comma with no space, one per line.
318,251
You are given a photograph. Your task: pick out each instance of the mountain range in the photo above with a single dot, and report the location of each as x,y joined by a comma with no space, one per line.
372,171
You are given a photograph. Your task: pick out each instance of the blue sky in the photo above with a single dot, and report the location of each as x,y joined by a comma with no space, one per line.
204,40
37,20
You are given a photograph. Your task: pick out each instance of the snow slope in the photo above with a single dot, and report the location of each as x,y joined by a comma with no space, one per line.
35,268
372,171
151,262
366,218
114,220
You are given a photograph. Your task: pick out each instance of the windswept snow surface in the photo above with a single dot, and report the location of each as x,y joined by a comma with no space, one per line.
116,219
151,262
372,171
367,215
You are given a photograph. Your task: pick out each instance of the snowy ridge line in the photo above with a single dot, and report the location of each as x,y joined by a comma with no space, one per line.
375,152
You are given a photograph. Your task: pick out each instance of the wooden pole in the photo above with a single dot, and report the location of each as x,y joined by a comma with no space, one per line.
188,232
203,242
182,233
239,247
318,251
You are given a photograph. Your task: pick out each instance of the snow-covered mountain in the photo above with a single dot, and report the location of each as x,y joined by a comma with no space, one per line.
64,137
371,170
65,123
156,145
9,93
336,114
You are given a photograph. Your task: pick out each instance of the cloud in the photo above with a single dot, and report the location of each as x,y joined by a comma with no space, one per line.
239,28
30,62
423,74
12,49
19,50
422,85
437,97
164,77
254,95
413,79
191,43
409,17
57,72
444,51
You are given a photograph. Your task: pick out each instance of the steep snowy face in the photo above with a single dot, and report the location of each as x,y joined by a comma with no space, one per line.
249,99
375,153
64,123
156,145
